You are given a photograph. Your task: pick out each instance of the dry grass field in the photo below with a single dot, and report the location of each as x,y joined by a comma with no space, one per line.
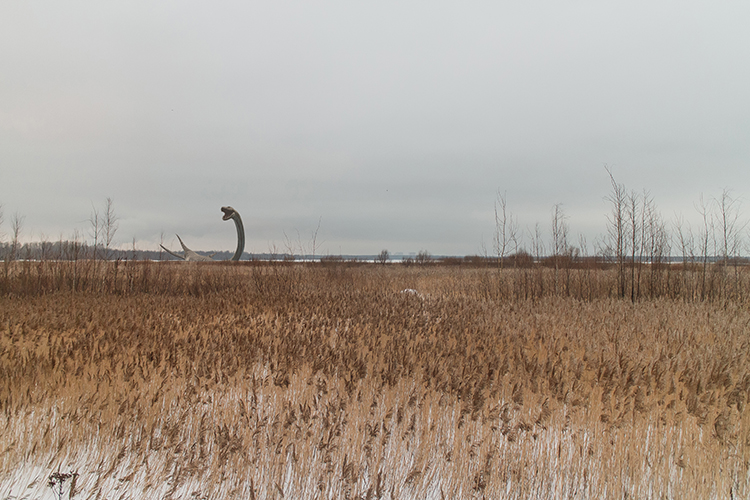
213,381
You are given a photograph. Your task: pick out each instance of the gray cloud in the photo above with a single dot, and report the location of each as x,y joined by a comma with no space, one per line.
394,123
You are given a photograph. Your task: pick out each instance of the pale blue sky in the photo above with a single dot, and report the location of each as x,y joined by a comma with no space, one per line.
394,123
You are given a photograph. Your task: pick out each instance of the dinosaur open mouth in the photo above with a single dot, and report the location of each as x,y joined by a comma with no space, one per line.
228,213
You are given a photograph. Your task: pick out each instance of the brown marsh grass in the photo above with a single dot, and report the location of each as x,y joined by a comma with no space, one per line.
217,381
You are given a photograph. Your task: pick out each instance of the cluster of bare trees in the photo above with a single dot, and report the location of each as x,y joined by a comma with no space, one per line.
103,227
640,245
11,250
383,257
638,238
298,249
508,238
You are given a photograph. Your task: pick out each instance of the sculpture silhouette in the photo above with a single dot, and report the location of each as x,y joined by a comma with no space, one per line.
190,255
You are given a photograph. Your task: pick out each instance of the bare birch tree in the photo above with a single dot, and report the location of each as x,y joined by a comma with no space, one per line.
730,229
705,236
616,229
506,229
537,247
110,224
16,227
560,245
95,230
729,224
383,257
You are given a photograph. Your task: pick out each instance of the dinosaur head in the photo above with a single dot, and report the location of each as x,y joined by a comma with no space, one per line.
229,212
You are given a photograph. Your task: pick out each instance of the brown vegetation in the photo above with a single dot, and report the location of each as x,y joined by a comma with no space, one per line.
159,380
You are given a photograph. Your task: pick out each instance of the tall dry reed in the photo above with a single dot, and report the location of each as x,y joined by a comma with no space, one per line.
332,382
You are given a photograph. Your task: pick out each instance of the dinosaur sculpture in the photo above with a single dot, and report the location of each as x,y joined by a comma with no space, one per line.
190,255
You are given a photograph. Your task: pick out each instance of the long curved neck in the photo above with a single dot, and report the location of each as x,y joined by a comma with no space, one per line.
240,236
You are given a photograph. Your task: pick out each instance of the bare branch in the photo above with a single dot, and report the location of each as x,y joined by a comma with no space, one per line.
729,224
110,225
95,229
506,229
16,227
559,231
314,238
616,228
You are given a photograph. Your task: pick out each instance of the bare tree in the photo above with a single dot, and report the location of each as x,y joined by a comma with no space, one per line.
304,251
633,211
110,224
686,242
559,231
314,245
383,257
705,236
16,227
290,247
273,251
506,229
560,246
730,225
616,228
685,239
95,229
103,226
45,247
537,242
73,251
655,241
583,245
133,251
730,234
537,245
423,257
483,249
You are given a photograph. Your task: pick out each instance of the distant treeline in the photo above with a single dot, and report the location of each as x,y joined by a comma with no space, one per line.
637,237
67,250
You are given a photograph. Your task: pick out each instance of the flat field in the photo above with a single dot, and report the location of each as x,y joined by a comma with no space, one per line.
292,381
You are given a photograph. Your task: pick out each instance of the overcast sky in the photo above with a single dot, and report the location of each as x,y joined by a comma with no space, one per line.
394,124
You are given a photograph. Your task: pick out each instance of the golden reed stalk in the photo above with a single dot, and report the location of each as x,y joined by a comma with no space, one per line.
261,381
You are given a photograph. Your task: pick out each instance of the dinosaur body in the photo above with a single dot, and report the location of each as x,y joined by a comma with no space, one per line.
191,256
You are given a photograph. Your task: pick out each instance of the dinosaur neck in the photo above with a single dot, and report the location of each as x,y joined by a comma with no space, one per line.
240,236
